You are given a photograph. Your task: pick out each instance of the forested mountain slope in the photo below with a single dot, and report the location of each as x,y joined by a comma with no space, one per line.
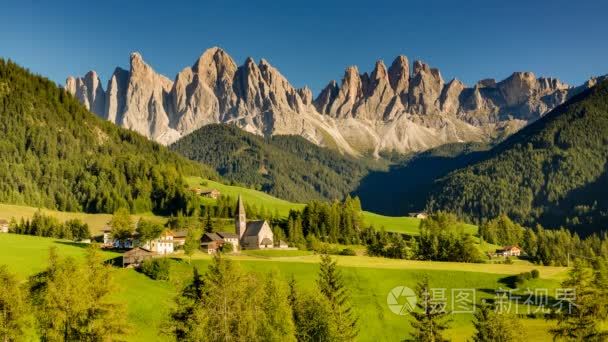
54,153
553,172
289,167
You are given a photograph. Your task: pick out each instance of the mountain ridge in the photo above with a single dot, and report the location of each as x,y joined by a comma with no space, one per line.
388,109
550,172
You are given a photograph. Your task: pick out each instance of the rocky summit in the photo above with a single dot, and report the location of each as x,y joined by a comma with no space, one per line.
389,109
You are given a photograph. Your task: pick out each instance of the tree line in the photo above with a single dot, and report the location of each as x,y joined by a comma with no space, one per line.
49,226
544,246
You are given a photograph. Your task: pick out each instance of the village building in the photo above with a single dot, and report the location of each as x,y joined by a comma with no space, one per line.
136,256
230,238
110,242
211,193
211,243
508,251
419,215
253,234
4,226
179,238
162,245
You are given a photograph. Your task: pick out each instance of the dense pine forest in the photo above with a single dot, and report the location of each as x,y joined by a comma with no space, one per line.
56,154
289,167
553,172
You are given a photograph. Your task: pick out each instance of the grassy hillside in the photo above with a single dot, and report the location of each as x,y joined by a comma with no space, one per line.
96,222
553,172
407,225
288,167
56,154
369,280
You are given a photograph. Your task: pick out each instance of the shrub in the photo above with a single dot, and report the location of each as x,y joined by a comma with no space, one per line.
157,269
535,274
227,248
348,251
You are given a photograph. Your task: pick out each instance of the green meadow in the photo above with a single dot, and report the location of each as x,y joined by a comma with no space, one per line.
406,225
369,280
96,222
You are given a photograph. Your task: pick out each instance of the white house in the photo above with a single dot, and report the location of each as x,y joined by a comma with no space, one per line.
162,245
3,226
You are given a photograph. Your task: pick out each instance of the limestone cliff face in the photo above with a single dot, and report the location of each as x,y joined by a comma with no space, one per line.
387,109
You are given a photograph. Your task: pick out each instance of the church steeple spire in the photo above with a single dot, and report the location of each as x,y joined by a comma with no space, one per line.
240,219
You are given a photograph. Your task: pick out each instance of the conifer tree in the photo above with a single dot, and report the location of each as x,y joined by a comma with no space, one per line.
431,321
310,315
209,223
581,313
331,285
496,327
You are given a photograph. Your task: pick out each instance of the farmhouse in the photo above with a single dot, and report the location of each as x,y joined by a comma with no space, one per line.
509,251
211,193
419,215
254,234
179,238
3,226
136,256
162,245
211,243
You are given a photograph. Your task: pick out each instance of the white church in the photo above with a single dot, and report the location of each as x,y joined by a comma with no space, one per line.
252,234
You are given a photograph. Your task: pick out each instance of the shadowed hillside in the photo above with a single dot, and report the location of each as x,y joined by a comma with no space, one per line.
553,172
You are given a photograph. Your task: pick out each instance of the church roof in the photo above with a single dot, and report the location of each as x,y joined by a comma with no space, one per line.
254,227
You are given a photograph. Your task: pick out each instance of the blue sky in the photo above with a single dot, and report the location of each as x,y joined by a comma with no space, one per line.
311,42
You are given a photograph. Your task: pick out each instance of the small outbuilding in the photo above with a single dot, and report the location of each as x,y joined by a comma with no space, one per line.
4,226
134,257
509,251
211,193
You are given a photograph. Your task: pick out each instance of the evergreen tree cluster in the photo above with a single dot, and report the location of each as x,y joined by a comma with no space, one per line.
288,167
553,172
55,154
544,246
442,238
333,222
49,226
229,304
69,301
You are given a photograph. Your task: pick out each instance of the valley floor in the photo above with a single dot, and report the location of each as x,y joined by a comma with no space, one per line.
370,281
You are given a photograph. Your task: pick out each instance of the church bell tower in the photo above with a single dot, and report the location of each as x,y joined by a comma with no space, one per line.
240,219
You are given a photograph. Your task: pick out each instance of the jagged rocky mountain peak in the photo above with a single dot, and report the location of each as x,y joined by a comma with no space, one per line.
405,107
